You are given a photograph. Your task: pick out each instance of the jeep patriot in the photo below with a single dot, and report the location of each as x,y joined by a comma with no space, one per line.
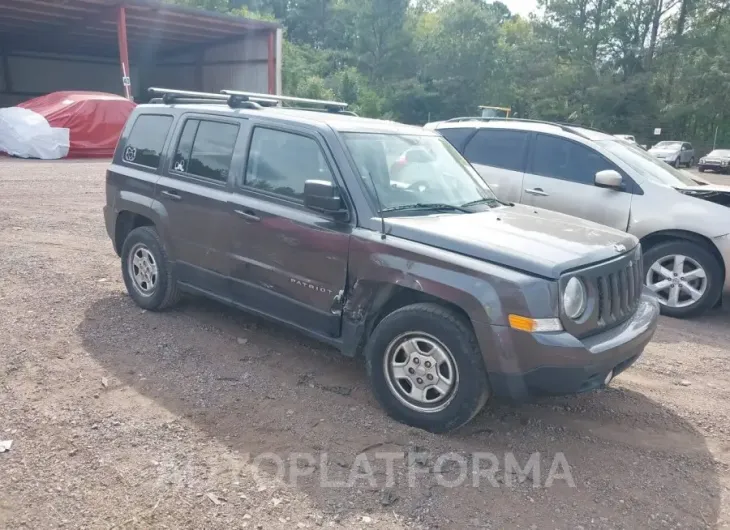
316,219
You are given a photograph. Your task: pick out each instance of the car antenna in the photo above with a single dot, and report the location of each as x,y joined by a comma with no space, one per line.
380,209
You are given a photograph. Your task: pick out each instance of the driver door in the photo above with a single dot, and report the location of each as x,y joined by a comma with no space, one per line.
561,177
285,260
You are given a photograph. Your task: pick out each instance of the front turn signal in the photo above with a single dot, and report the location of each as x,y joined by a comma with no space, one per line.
535,325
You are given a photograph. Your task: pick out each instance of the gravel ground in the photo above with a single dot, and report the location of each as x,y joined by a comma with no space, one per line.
126,419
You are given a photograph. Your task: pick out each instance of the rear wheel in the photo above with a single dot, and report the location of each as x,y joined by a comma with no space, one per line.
691,162
147,273
426,368
685,276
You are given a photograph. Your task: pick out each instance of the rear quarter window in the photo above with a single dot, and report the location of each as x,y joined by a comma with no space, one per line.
146,140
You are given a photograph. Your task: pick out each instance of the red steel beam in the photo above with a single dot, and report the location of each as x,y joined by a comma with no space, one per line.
124,50
272,62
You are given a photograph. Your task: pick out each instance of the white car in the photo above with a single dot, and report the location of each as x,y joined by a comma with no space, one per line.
674,153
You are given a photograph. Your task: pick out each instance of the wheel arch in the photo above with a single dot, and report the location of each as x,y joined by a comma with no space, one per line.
127,221
663,236
375,301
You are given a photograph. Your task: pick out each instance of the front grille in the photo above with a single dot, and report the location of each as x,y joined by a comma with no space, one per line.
614,291
618,293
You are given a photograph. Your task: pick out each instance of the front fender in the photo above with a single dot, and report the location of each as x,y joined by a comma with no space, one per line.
487,293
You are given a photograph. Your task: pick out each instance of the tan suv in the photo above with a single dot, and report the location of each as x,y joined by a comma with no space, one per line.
684,227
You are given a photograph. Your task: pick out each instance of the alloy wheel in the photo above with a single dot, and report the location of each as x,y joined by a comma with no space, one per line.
679,281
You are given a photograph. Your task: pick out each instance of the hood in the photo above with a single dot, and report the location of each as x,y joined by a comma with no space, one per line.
719,157
537,241
664,151
716,193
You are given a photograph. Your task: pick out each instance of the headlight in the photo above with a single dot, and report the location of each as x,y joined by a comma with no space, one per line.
724,162
574,299
702,160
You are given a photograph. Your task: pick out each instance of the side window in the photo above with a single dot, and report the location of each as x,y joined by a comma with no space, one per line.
456,137
687,147
562,159
498,148
280,162
205,149
146,140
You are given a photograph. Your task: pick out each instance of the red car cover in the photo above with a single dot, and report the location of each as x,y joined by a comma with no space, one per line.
94,119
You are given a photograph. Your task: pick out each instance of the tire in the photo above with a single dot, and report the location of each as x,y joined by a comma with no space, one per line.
695,254
428,325
701,169
162,292
691,162
677,163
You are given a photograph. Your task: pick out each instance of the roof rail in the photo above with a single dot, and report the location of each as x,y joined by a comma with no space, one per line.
169,96
471,118
331,106
563,126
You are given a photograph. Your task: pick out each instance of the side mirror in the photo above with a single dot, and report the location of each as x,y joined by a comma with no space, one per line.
323,196
609,179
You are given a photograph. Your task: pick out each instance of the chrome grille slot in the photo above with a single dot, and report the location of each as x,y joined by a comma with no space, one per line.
615,295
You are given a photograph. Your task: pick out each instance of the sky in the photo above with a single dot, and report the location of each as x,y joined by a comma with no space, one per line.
521,7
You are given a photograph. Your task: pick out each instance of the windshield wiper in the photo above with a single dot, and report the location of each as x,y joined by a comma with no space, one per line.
427,206
487,200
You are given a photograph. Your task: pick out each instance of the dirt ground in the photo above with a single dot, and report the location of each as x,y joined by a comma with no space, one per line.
128,419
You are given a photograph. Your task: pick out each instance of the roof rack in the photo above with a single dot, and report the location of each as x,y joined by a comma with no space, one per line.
239,99
169,96
331,106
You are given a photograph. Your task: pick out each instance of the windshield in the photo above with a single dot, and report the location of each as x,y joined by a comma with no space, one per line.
720,153
647,165
668,145
415,170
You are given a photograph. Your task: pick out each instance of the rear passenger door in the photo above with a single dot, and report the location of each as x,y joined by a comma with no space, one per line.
561,177
193,192
287,261
500,157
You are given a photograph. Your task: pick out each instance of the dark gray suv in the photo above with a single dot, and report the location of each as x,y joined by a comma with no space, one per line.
308,218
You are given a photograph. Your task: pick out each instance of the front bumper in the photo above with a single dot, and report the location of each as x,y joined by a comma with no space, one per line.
714,166
558,363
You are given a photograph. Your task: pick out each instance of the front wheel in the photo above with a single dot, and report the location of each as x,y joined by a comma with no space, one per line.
685,276
677,163
426,369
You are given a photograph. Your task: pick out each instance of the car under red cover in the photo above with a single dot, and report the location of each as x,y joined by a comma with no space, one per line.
94,119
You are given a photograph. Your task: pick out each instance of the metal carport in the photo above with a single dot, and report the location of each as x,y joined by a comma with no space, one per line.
125,46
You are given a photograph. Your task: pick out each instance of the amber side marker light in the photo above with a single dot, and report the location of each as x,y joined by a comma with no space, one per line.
535,325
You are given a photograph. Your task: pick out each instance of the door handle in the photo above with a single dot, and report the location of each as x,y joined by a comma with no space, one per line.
537,191
171,195
249,215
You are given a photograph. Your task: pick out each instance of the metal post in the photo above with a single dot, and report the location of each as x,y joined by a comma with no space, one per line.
272,62
124,51
714,142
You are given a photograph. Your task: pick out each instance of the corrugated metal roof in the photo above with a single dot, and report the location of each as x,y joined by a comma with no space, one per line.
89,27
